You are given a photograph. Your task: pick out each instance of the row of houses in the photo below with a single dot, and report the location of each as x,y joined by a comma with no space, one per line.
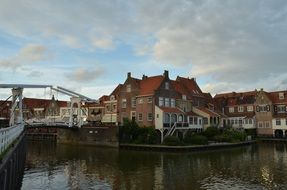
172,107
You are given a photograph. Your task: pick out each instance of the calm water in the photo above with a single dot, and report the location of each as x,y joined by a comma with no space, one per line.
51,166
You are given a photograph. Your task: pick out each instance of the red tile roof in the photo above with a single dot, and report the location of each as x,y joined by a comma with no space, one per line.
30,103
180,89
117,90
209,112
192,114
191,85
171,110
150,84
274,97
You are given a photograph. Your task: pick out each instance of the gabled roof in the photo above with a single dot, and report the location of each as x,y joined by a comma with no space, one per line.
150,84
191,113
117,90
191,85
274,97
31,103
170,110
180,89
208,111
234,98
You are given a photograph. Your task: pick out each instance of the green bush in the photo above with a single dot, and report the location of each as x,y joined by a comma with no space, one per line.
172,141
130,132
231,135
211,132
196,139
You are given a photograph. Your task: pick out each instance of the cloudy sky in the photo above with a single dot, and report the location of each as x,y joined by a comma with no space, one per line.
90,45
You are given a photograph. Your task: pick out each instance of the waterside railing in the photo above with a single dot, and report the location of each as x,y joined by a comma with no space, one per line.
8,135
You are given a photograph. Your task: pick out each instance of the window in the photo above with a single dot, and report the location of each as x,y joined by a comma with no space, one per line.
166,102
240,109
232,122
160,101
281,108
184,97
166,85
128,88
249,108
281,95
263,108
240,122
250,121
195,120
278,121
191,120
205,121
157,115
231,109
133,115
149,117
124,103
114,108
260,124
149,100
134,102
140,117
172,102
140,101
199,120
180,118
235,121
267,124
285,121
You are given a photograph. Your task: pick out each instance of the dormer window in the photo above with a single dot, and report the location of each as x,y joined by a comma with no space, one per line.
281,95
184,97
166,85
128,88
112,97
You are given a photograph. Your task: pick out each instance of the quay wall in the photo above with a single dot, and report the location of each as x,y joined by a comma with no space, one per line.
98,136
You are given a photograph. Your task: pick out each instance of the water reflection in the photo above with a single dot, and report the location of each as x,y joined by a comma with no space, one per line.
51,166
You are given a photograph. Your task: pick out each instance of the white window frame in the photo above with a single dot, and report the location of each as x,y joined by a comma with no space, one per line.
166,85
129,87
149,100
140,101
250,108
124,103
278,122
149,116
281,109
140,116
134,102
166,102
240,108
184,97
231,109
172,102
160,101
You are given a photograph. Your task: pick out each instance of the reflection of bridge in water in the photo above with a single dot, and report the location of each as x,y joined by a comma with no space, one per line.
12,136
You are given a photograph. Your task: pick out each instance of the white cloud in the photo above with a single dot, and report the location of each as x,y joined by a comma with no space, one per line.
29,54
84,75
233,43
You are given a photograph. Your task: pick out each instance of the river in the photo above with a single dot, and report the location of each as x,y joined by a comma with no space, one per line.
61,167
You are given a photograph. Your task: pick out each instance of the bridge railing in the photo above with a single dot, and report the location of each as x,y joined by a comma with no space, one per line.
8,135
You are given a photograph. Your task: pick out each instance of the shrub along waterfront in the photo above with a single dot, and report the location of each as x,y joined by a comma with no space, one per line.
130,132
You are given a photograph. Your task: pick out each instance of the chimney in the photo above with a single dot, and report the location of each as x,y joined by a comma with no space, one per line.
129,75
165,74
144,77
261,89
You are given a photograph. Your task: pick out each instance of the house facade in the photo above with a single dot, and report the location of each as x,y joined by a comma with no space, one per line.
238,108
